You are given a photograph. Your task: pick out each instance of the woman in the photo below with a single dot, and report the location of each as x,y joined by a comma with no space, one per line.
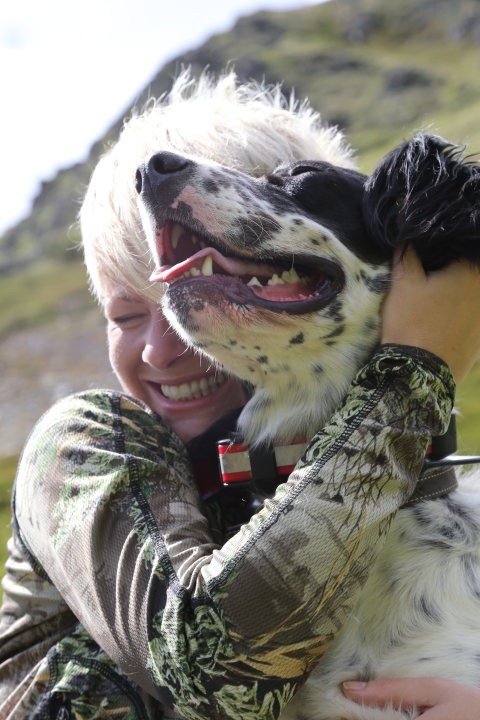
123,597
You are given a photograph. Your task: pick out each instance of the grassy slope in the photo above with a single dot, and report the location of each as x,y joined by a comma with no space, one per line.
40,292
7,473
468,403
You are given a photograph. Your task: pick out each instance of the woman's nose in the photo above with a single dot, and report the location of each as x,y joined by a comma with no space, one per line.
162,346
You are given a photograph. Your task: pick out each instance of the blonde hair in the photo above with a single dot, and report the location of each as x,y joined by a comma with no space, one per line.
247,127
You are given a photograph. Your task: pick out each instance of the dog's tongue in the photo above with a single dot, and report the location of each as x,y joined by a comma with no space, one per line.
264,281
218,264
281,293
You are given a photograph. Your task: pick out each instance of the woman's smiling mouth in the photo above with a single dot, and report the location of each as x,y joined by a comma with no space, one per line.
192,390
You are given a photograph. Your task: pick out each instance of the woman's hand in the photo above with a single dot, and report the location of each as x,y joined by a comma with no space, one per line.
435,698
439,312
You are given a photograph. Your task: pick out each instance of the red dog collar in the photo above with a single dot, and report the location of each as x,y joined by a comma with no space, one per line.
240,464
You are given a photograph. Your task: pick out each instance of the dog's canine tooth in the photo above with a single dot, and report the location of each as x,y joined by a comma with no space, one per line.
254,281
207,267
275,280
175,236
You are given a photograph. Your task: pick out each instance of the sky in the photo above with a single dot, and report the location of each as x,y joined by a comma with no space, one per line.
69,69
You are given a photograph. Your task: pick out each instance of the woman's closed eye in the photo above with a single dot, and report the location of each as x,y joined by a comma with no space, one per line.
124,312
125,320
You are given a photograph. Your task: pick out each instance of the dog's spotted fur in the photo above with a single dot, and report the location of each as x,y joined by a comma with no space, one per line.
419,613
303,362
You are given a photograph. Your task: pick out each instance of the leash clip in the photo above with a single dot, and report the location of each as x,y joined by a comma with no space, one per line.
441,451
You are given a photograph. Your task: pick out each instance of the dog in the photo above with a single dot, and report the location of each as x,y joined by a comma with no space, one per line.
280,279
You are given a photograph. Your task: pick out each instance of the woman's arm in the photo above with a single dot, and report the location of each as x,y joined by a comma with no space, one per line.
106,502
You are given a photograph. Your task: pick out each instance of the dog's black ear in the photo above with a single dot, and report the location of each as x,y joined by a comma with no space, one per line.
426,193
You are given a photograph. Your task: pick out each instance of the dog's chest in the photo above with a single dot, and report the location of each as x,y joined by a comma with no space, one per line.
418,615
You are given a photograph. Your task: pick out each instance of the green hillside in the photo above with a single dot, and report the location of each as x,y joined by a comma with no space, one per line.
379,69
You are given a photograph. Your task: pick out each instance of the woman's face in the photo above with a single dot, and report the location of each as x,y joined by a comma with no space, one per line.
155,366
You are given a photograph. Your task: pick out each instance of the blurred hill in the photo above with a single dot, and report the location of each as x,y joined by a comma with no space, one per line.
377,68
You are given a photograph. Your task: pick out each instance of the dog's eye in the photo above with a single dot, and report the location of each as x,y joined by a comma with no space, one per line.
303,168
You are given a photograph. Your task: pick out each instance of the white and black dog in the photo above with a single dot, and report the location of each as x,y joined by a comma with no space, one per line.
280,279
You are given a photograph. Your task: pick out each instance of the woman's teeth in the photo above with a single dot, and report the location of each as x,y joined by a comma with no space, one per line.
196,389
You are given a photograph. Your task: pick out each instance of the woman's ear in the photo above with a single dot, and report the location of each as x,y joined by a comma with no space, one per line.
426,193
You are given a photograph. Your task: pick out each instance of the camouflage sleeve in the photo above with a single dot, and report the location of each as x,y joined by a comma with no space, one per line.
106,502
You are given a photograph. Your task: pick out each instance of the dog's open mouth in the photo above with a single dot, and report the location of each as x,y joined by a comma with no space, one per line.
294,284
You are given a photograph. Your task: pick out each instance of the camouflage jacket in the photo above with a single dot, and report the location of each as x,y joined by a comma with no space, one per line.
119,600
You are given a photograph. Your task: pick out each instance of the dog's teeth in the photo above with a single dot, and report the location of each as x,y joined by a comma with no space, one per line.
194,239
202,244
302,297
291,276
275,280
175,236
207,267
254,281
195,271
186,273
221,378
203,384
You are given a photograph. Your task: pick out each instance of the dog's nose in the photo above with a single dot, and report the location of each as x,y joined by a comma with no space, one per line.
160,167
